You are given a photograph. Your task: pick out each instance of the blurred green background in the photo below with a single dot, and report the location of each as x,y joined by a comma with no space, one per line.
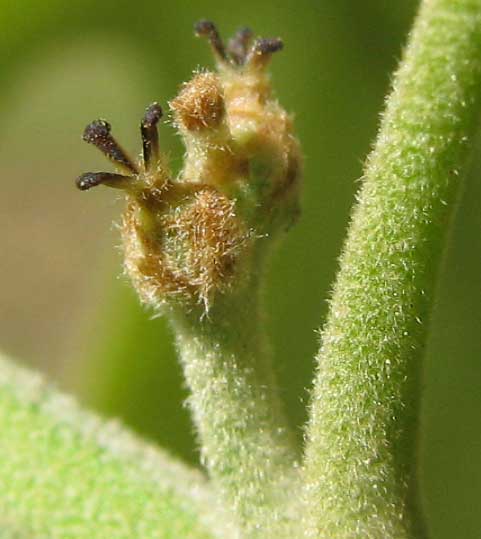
67,309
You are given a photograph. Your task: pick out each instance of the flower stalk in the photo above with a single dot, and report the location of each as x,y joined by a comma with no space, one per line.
245,440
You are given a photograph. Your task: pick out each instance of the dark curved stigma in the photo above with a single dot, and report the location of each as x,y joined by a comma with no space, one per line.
209,30
92,179
263,48
98,134
150,135
238,46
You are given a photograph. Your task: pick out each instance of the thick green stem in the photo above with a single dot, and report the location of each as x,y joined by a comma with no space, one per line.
360,468
245,440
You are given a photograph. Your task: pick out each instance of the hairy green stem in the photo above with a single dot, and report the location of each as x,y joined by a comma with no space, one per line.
245,440
360,467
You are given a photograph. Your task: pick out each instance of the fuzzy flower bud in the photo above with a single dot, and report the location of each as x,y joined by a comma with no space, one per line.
190,238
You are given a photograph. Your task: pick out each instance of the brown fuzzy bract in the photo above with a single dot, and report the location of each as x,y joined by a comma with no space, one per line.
191,254
200,103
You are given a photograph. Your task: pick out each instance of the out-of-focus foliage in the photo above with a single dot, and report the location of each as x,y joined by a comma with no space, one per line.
64,473
64,64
